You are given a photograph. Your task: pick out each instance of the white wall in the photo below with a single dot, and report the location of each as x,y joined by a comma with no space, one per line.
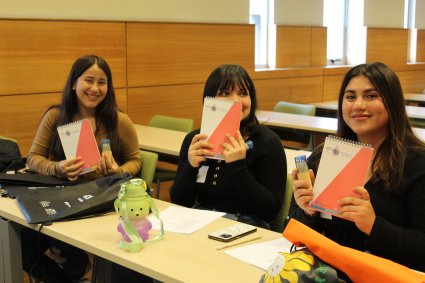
299,12
384,13
208,11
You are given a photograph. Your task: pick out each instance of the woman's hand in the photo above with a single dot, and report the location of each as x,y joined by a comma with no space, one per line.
107,165
359,210
303,193
198,149
71,168
235,149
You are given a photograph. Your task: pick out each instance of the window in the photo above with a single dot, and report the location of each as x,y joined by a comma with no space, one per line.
409,23
346,42
334,18
261,14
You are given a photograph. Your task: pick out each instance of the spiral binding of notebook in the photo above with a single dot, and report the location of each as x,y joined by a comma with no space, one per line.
355,143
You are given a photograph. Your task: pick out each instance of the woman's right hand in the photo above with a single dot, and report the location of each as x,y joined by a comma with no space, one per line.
71,168
303,193
198,149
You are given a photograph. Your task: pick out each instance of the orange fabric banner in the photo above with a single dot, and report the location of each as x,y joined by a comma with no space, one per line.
359,266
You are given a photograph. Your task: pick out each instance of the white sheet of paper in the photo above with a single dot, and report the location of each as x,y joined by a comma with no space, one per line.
184,220
262,254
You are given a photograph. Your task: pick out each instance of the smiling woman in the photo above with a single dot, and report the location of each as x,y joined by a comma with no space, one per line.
386,215
88,93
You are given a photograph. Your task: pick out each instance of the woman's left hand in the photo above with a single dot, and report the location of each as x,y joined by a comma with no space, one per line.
107,165
359,210
235,149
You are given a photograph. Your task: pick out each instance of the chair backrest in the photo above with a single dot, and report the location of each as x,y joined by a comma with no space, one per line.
295,108
281,220
171,123
149,161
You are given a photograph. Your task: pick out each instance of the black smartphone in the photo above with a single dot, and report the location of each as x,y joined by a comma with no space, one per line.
232,232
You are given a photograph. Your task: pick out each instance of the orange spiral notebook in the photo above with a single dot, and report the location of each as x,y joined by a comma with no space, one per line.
77,139
219,117
344,165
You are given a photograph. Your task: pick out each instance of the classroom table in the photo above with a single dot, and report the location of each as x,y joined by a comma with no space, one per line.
176,258
329,109
418,98
313,124
165,142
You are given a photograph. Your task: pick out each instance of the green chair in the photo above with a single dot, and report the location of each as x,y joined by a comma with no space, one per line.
281,220
302,140
170,123
149,162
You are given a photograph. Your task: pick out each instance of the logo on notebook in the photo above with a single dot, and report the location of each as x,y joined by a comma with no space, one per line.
335,151
68,133
213,108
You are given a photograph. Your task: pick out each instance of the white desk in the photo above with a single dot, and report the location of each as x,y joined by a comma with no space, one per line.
176,258
159,140
414,112
415,97
314,124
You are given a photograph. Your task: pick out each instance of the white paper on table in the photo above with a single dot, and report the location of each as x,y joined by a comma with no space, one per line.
262,254
184,220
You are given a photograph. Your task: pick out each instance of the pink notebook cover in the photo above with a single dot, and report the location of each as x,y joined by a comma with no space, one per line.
77,139
343,166
219,117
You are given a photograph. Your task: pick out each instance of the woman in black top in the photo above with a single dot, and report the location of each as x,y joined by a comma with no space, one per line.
388,216
248,184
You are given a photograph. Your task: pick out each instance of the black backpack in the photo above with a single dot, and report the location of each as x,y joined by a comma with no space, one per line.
10,156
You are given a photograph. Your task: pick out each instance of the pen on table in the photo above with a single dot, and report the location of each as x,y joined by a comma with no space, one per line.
239,243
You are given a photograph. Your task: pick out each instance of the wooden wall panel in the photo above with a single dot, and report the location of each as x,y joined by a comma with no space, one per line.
420,50
331,86
121,98
173,53
293,46
299,90
332,79
30,108
318,46
412,81
36,56
387,45
180,100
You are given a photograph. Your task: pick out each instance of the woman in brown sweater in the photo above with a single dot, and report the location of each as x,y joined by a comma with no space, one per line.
88,93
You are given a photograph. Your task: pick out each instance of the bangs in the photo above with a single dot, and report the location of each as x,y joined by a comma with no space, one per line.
232,82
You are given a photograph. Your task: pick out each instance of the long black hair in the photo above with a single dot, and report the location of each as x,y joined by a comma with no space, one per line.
106,113
389,161
227,77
